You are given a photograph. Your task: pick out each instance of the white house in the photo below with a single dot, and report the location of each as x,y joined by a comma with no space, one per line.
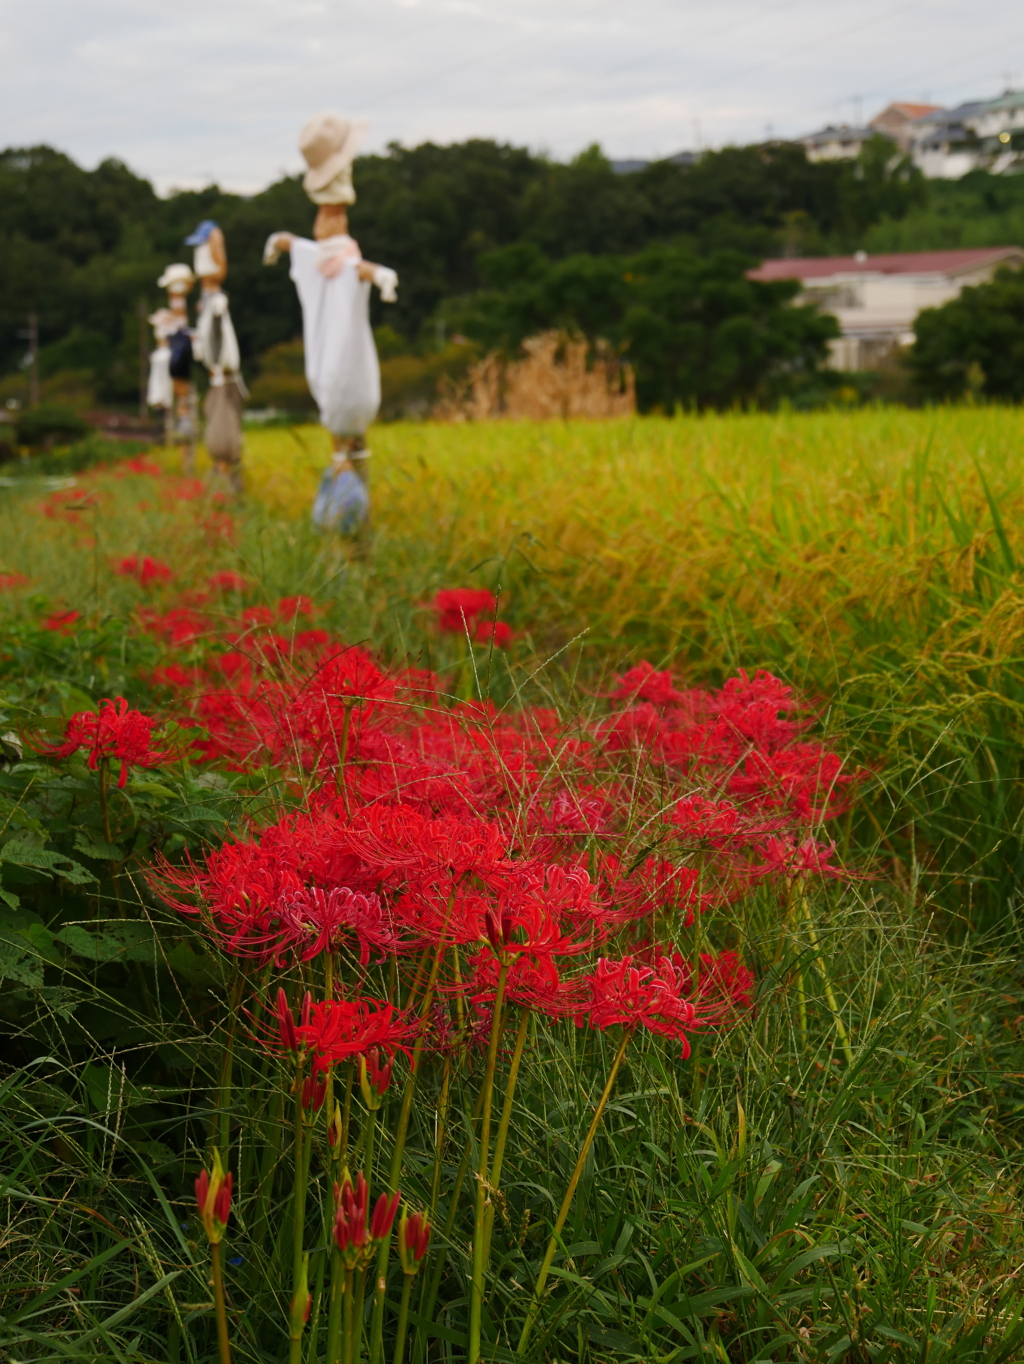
876,298
836,144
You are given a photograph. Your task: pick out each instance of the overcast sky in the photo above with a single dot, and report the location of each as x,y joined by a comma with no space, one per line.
197,90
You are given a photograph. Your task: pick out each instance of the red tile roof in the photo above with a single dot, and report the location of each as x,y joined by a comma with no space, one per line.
895,263
909,110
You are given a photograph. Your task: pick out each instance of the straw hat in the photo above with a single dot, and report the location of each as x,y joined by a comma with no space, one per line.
329,145
177,278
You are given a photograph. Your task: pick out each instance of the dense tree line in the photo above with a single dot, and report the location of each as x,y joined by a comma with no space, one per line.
82,249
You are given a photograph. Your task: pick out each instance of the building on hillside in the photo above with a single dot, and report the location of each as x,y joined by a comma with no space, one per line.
900,121
629,164
836,144
946,144
980,135
876,298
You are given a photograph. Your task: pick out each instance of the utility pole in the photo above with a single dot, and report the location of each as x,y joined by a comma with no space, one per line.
143,358
33,352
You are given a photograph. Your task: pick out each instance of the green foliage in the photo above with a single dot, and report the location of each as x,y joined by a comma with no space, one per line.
49,422
974,342
83,249
765,1200
696,331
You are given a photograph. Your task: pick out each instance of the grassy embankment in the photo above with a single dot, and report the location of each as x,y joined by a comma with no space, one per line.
811,1206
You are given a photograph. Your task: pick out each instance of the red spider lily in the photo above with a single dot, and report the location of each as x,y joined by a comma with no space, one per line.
183,490
180,625
258,615
213,1195
413,1240
139,464
227,581
314,1091
533,981
10,581
644,683
459,609
354,1237
290,1035
712,820
146,570
496,632
374,1078
114,733
290,607
721,987
335,1029
61,622
633,995
314,921
787,859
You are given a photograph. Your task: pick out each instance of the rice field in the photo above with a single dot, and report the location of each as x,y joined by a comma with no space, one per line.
834,1176
871,558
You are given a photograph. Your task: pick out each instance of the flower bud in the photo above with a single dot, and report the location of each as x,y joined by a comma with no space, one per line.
213,1196
374,1079
413,1239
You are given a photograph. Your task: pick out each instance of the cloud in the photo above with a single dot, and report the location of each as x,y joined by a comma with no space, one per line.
218,90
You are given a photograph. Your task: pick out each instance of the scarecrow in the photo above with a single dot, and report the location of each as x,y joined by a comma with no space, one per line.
217,347
170,364
333,283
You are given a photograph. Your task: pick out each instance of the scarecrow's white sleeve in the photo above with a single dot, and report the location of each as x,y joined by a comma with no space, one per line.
386,281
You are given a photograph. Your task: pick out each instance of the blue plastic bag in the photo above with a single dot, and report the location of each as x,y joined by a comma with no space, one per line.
342,502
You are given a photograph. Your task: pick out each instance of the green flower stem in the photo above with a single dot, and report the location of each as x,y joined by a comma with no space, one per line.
220,1127
273,1132
503,1126
439,1141
830,994
347,1356
432,1286
346,1114
299,1189
476,1290
403,1319
104,809
223,1345
563,1212
381,1282
334,1310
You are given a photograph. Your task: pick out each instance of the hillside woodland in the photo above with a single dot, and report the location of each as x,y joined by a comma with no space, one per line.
492,244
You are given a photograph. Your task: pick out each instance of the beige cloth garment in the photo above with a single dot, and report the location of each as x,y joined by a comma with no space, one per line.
223,411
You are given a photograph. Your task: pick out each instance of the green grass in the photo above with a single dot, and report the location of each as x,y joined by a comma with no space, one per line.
769,1199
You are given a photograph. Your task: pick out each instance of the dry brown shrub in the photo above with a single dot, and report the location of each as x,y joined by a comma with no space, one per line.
557,376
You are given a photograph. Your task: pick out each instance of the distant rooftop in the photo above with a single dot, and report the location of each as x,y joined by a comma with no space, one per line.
892,263
843,133
629,164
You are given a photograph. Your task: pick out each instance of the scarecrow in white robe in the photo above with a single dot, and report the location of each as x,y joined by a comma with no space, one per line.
217,347
170,364
333,283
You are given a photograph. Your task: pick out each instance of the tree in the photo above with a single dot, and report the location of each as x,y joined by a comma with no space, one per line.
696,329
981,333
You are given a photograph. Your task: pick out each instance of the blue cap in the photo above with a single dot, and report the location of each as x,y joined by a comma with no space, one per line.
201,233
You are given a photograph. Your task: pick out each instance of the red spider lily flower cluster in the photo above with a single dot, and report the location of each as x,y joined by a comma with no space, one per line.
472,611
114,733
413,1241
9,582
504,844
61,622
335,1029
213,1196
227,581
145,570
357,1232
